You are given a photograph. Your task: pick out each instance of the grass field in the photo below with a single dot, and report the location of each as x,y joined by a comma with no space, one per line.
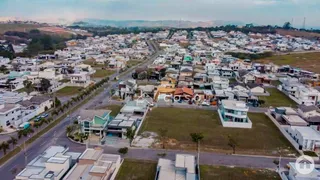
68,91
133,63
93,63
17,27
307,61
102,73
263,138
114,108
228,173
276,99
137,170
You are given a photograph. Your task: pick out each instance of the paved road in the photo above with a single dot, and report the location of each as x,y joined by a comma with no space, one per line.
56,136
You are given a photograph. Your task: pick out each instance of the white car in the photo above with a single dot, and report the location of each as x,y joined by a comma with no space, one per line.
205,103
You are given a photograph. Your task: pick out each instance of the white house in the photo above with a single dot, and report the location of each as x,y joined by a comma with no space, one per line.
295,174
234,114
52,164
84,68
307,138
219,83
94,165
9,114
184,167
81,79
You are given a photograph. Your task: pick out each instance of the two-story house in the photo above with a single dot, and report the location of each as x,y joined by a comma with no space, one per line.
234,114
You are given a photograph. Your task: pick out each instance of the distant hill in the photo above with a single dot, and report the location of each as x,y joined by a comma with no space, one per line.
145,23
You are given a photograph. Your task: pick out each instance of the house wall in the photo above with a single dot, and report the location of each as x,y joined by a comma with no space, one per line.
42,106
10,116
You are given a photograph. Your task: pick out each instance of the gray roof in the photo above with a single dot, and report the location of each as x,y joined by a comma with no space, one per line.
35,100
313,119
305,108
253,85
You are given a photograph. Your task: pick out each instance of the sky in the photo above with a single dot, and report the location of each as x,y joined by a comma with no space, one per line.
261,12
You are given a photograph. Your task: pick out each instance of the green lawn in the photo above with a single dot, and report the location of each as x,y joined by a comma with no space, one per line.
137,170
228,173
131,63
93,63
68,91
307,61
276,99
114,108
263,138
102,73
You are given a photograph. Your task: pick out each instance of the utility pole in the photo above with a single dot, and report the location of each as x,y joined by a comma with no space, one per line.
304,23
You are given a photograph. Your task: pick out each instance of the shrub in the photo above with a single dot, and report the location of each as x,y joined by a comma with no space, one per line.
123,150
310,153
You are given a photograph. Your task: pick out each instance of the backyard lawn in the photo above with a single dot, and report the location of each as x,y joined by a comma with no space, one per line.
69,91
115,109
101,73
137,170
276,99
229,173
307,61
263,138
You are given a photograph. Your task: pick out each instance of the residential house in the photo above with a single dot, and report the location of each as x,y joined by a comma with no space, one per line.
52,164
184,167
256,89
183,94
307,138
311,114
34,106
9,114
294,174
94,122
127,88
218,83
234,114
81,79
94,164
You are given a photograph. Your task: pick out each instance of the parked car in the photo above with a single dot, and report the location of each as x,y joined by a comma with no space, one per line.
24,126
205,103
44,115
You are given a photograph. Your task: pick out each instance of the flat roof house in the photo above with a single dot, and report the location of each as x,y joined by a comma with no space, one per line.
52,164
234,114
307,138
183,168
94,165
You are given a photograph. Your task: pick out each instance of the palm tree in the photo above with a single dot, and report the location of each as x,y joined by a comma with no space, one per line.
20,133
14,141
69,129
197,137
163,136
4,146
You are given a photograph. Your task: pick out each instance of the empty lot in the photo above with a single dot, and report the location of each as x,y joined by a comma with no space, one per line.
263,138
307,61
